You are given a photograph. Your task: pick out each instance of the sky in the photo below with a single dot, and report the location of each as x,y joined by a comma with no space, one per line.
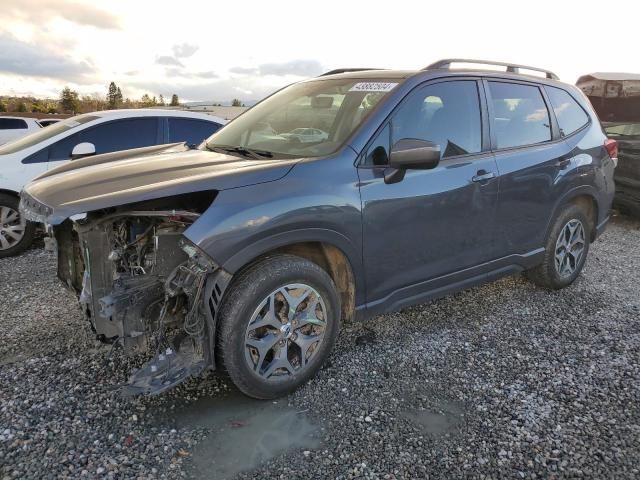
219,50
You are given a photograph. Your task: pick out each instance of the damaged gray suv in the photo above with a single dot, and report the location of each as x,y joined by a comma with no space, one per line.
340,197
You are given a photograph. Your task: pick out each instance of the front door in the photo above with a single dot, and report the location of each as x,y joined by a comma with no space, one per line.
434,222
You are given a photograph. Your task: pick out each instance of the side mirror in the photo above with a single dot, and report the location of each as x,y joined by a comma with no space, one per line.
84,149
412,153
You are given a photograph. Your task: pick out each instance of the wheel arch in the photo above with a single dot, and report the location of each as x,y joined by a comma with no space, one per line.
583,197
329,251
6,191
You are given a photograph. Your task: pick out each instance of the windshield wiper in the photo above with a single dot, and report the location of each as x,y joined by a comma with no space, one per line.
244,151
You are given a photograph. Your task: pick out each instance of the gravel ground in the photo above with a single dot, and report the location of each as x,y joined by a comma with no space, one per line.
504,380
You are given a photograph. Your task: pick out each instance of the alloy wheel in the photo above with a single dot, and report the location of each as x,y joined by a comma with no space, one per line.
285,332
569,248
12,227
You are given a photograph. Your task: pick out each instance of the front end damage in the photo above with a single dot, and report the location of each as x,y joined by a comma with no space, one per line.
143,285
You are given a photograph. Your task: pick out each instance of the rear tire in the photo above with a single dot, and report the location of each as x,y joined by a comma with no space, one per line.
566,249
277,325
16,235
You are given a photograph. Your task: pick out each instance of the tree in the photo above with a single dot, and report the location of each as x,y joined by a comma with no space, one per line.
147,101
38,107
161,101
174,101
69,101
236,103
22,107
3,106
154,101
114,96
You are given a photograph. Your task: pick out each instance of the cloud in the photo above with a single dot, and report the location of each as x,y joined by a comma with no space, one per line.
174,72
299,68
40,12
217,90
20,58
206,75
244,70
169,61
184,50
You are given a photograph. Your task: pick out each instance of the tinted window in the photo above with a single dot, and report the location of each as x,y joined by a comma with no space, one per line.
570,115
44,134
190,130
623,130
12,124
110,137
447,114
521,116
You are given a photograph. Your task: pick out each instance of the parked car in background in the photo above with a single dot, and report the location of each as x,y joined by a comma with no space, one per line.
616,99
82,136
45,122
306,135
246,255
12,128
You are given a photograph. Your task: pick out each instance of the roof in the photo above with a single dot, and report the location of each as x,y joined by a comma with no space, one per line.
610,85
376,73
226,112
613,76
473,67
155,112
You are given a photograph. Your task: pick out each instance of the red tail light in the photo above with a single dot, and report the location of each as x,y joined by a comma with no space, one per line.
612,149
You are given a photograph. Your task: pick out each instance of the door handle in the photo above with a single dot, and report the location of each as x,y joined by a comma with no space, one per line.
483,176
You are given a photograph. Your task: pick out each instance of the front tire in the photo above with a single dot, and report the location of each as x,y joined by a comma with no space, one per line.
277,325
16,234
566,250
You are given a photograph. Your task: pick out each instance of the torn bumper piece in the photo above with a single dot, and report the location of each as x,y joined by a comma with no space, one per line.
163,372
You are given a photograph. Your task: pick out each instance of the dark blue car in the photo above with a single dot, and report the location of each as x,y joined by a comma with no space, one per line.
247,253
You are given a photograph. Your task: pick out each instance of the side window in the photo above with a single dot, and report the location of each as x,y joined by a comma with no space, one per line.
12,124
378,152
447,114
520,115
110,137
191,131
61,150
570,115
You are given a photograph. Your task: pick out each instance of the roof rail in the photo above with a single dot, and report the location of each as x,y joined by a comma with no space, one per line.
511,67
346,70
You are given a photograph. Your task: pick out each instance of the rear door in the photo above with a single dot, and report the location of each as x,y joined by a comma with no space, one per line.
532,160
432,222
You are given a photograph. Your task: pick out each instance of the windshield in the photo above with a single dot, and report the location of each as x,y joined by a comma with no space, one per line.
622,129
45,133
307,119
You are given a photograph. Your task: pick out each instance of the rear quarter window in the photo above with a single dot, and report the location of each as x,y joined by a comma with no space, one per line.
192,131
12,124
571,116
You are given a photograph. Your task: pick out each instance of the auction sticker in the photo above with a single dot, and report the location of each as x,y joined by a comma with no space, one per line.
373,87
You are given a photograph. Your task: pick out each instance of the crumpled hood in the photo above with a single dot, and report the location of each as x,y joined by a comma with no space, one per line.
120,178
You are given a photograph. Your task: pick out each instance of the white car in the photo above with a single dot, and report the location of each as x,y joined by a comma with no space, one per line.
12,128
80,136
306,135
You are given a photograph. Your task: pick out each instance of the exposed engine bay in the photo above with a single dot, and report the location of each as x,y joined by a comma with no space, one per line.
141,284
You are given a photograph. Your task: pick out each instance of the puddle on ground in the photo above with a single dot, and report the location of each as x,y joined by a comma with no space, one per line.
11,359
245,433
443,419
